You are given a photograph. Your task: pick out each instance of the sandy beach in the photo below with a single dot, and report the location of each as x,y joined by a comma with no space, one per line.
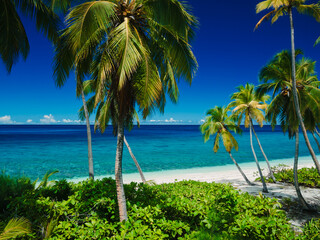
224,174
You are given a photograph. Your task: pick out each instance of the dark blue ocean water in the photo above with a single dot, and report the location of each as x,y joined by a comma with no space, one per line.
31,150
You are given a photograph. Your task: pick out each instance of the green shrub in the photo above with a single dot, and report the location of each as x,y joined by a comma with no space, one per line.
311,230
11,188
61,190
308,177
181,210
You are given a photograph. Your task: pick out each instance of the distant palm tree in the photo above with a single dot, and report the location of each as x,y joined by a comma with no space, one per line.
218,122
13,38
276,78
248,105
281,8
141,48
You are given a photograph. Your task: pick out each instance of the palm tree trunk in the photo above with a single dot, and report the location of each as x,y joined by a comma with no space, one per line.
295,95
317,131
240,170
295,174
118,174
265,157
90,158
135,160
315,138
264,185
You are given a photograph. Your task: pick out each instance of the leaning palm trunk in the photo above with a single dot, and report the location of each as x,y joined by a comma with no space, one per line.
315,138
295,95
264,185
265,157
315,129
240,170
118,174
135,160
90,158
295,174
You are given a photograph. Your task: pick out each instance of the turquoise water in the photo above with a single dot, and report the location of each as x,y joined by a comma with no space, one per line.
33,149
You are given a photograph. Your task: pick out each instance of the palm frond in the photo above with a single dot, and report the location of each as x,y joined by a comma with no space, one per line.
15,228
13,38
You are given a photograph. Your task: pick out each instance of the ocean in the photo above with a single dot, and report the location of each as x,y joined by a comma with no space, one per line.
32,150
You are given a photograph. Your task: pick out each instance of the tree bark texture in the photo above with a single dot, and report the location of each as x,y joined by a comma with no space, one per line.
118,174
295,174
90,158
264,155
135,160
240,170
264,185
315,138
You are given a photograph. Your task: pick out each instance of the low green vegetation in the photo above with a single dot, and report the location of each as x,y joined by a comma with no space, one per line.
308,177
181,210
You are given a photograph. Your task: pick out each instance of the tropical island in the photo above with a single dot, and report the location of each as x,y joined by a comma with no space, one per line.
129,59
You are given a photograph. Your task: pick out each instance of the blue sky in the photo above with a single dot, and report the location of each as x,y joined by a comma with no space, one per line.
228,51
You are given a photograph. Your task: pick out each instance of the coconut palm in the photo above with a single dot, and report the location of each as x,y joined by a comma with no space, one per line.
281,8
218,122
13,39
89,88
276,78
248,105
141,48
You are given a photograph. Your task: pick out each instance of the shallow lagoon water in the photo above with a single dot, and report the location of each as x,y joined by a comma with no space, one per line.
31,150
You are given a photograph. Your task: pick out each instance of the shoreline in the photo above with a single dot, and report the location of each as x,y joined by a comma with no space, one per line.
224,174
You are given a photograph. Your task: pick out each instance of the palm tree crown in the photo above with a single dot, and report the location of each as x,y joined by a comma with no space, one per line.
276,77
248,105
218,122
281,8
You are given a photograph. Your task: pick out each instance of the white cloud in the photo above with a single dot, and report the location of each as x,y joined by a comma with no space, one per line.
47,119
29,120
171,120
70,121
6,119
202,121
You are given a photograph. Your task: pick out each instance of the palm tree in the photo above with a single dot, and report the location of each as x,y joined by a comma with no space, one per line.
218,122
140,47
276,78
284,7
88,88
248,105
14,228
13,39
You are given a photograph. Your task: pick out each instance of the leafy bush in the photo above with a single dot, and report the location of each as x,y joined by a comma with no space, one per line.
308,177
61,190
181,210
12,187
311,231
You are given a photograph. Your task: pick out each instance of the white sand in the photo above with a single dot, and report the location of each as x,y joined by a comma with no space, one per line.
226,173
